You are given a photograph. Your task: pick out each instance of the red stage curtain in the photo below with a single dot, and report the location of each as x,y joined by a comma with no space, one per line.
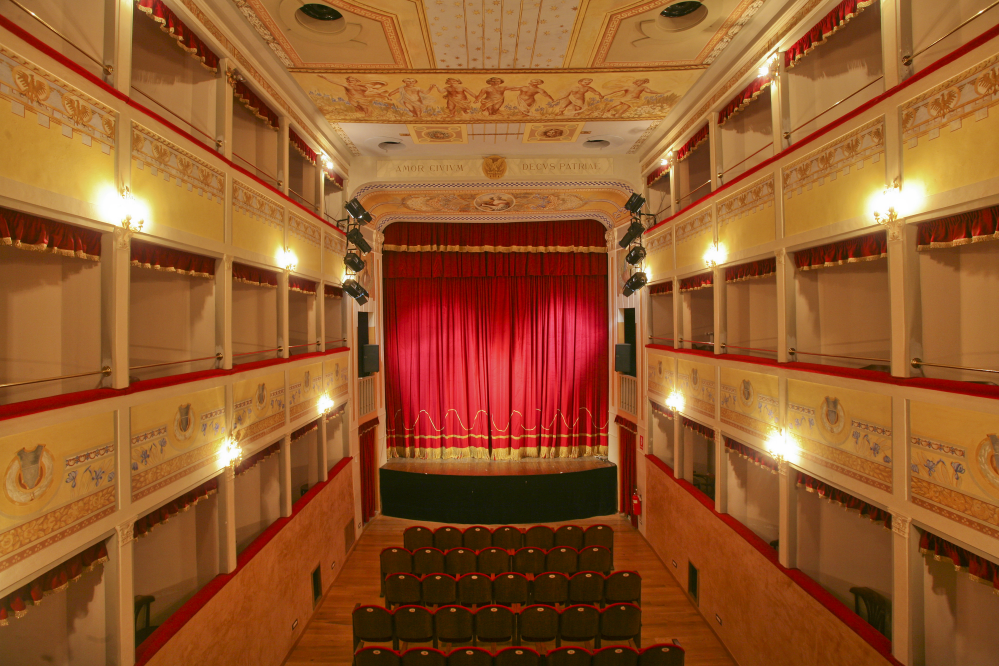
301,284
700,429
696,282
979,568
822,30
303,148
187,40
753,269
629,472
369,468
961,229
764,460
845,499
246,464
661,171
255,105
329,291
492,353
693,142
161,258
862,248
742,100
253,275
15,604
30,232
164,513
661,288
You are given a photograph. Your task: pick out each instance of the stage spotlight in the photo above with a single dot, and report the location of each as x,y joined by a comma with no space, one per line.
354,262
356,291
356,210
356,238
635,203
634,283
636,255
634,231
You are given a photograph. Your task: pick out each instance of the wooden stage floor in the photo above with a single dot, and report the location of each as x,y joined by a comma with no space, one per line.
472,467
667,613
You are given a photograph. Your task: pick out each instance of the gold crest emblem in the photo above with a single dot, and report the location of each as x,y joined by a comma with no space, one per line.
494,166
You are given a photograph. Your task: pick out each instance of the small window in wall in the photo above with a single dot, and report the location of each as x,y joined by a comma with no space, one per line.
693,583
302,324
254,314
751,308
698,312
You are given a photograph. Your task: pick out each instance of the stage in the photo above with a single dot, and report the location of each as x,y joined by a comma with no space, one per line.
498,492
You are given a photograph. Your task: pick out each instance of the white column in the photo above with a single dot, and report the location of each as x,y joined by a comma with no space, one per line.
227,520
721,473
714,144
787,523
223,310
284,470
896,40
119,611
780,106
223,109
720,288
674,190
115,273
907,592
282,305
282,156
786,313
322,455
118,45
906,306
320,189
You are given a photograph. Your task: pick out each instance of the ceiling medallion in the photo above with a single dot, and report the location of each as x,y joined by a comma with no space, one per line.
494,167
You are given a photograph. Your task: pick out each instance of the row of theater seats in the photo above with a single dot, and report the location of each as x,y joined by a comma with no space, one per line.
512,588
654,655
508,537
581,623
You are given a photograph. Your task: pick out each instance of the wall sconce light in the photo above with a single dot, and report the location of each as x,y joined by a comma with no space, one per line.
779,447
324,404
326,161
675,402
715,255
768,66
888,205
231,452
287,260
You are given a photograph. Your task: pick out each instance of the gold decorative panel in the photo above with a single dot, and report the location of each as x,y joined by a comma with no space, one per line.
694,235
661,375
748,217
659,254
257,221
335,371
258,407
749,401
305,240
696,381
305,385
334,247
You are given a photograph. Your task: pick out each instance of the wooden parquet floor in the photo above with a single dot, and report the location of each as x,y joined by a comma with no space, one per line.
667,613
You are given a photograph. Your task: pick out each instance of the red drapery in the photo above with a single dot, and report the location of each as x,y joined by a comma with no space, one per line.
961,229
822,30
979,568
161,258
15,604
660,171
175,28
659,409
369,462
246,464
845,499
304,430
661,288
303,148
329,291
496,343
862,248
301,284
30,232
696,282
754,269
335,178
253,275
164,513
764,460
255,105
693,142
700,429
629,473
742,100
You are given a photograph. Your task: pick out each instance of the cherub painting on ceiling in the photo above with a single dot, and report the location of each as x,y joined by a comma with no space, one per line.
484,97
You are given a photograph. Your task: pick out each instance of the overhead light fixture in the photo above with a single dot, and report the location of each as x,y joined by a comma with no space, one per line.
634,283
715,255
353,262
636,255
356,210
886,211
231,453
634,231
675,401
356,238
287,260
634,203
356,291
324,404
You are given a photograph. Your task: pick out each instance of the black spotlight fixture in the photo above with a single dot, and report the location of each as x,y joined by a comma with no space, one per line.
635,255
356,210
356,238
634,283
354,262
357,292
633,232
634,203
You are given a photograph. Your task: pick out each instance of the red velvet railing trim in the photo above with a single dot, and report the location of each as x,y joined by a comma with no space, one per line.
255,105
699,428
660,171
824,29
301,284
298,143
15,605
978,568
626,423
30,232
329,291
661,288
845,499
253,275
696,282
660,409
366,426
157,257
744,98
246,464
758,458
175,28
869,247
961,229
754,269
184,502
693,142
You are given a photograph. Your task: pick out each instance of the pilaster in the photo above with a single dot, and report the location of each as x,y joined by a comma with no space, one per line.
720,288
284,470
119,612
282,154
322,455
282,319
780,107
227,520
786,296
714,143
223,310
721,473
118,45
907,592
223,110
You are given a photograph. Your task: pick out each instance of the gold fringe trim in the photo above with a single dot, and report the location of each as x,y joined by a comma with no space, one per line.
167,269
167,31
301,152
186,508
30,603
747,102
564,249
246,103
847,508
861,6
852,260
755,462
958,567
42,247
256,284
959,242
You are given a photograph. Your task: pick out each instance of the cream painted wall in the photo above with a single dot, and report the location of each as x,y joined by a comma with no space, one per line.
693,173
254,144
336,441
258,492
960,618
702,314
661,321
301,178
81,21
662,438
932,19
751,314
753,496
301,322
304,463
254,320
745,133
333,312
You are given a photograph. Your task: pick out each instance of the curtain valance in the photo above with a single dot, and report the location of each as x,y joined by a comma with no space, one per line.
660,171
253,275
367,426
335,178
659,409
491,264
627,424
862,248
961,229
330,291
661,288
246,464
572,236
336,412
255,105
304,430
15,604
164,513
759,458
301,284
156,257
822,30
696,282
754,269
843,498
175,28
30,232
742,100
303,148
700,429
979,568
693,142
